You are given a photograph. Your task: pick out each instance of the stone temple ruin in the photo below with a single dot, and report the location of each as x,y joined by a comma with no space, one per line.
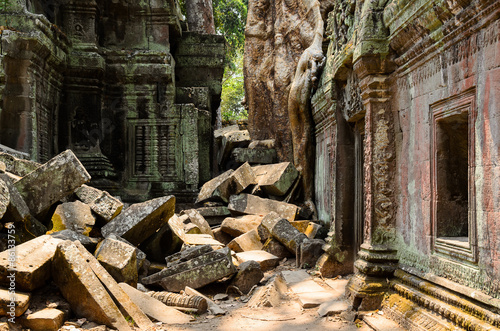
372,149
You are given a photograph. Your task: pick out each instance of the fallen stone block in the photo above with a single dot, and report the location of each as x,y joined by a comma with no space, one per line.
251,204
276,179
82,289
31,262
188,254
17,166
89,243
119,259
236,226
197,219
21,302
141,257
310,293
328,266
213,308
266,260
308,252
312,230
214,215
333,307
262,144
161,244
219,133
28,227
101,202
249,275
177,227
190,228
48,319
141,220
249,241
3,167
274,247
222,237
154,308
209,189
269,295
231,140
51,182
75,216
254,156
181,300
194,273
283,231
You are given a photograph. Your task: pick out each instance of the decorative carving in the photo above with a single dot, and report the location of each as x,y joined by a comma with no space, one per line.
340,23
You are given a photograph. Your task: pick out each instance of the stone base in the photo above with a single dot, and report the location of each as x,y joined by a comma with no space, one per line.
329,267
365,292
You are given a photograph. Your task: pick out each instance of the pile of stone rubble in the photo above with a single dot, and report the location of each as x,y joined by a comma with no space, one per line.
142,264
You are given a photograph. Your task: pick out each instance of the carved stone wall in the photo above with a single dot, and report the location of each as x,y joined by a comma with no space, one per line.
112,80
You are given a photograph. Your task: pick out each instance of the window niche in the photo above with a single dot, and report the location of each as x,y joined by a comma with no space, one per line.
452,175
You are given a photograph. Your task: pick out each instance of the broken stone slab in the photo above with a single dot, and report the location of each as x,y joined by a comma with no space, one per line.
249,241
213,308
4,197
194,273
48,319
254,156
308,252
333,307
283,231
142,261
231,140
215,214
266,260
141,220
236,226
197,219
249,275
161,244
154,308
52,181
221,236
219,133
82,289
101,202
30,262
177,227
276,179
310,293
119,259
209,189
75,216
17,166
276,248
13,303
269,295
187,254
89,243
181,301
251,204
28,227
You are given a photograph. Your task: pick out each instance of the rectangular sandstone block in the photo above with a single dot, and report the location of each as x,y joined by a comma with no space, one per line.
82,289
52,181
266,260
276,179
249,241
251,204
17,166
231,140
21,302
236,226
197,219
239,180
283,231
254,156
31,261
177,228
48,319
101,202
141,220
209,189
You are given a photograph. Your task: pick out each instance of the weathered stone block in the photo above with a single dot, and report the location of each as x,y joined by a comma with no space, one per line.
213,308
197,219
309,251
82,289
231,140
119,259
249,241
4,198
188,254
89,243
273,246
75,216
162,243
31,262
249,275
17,166
283,231
21,302
52,181
276,179
251,204
177,227
312,230
266,260
219,133
253,156
209,189
262,144
214,215
194,273
3,167
222,236
155,308
48,319
236,226
101,202
141,220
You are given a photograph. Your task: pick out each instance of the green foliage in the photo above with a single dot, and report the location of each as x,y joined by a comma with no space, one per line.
4,5
233,92
230,19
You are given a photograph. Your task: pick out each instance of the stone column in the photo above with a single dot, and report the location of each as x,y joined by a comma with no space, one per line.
377,258
200,16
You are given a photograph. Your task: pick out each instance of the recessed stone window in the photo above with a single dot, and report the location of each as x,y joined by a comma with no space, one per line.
452,174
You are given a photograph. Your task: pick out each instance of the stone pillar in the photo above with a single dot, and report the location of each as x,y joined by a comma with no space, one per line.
200,16
377,258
